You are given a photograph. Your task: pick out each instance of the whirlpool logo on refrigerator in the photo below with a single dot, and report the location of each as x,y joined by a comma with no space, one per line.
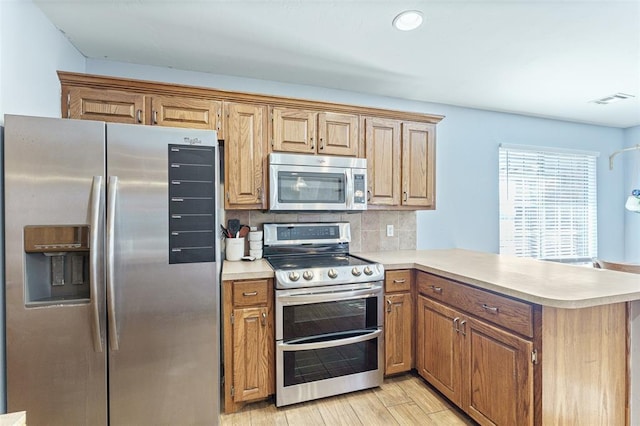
193,141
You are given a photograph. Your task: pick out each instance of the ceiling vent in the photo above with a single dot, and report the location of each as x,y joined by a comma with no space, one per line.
612,98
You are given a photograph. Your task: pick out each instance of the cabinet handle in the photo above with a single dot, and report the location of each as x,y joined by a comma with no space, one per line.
313,146
139,115
435,289
455,324
264,319
260,194
388,305
462,330
321,143
155,117
368,195
490,309
402,281
228,197
406,196
250,293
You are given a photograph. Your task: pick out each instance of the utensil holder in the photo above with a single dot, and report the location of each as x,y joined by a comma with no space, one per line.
234,248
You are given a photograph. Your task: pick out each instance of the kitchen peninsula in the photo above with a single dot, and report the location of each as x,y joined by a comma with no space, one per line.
552,338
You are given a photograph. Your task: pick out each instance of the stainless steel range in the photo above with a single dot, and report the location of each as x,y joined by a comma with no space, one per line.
329,312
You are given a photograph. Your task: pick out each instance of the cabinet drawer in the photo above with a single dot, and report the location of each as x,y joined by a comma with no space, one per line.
503,311
249,293
436,287
508,313
399,280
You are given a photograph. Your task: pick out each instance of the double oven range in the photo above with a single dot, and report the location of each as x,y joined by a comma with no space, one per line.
329,312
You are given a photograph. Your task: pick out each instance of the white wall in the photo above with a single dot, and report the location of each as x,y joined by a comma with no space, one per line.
631,165
467,156
31,50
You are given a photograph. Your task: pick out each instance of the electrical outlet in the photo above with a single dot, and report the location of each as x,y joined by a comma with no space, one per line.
389,230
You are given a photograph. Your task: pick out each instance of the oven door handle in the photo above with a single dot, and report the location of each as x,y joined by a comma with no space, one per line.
329,296
291,346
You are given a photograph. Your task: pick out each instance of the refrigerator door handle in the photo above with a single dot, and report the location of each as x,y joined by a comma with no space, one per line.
111,310
96,196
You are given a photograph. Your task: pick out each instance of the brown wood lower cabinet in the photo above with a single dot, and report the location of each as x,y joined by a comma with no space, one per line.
398,321
248,342
485,370
483,351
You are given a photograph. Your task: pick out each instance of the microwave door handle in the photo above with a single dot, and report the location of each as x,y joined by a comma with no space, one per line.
348,178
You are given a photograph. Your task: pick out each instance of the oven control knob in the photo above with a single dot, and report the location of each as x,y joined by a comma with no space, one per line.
356,272
307,275
368,270
294,276
332,273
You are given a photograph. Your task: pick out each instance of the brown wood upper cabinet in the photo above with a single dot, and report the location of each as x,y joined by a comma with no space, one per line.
174,111
401,163
135,108
114,106
244,160
310,132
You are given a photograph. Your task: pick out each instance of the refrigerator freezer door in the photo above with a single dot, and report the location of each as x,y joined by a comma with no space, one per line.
163,368
56,369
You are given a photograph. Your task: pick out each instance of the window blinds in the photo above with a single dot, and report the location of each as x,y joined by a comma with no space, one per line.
548,204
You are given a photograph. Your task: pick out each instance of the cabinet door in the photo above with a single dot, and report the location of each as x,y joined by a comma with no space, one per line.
438,348
382,146
418,164
174,111
243,152
499,375
104,105
250,354
338,134
294,130
398,332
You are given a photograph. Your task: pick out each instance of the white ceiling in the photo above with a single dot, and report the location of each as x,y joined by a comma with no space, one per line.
541,58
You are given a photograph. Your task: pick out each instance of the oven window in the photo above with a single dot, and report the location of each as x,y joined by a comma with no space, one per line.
329,317
325,363
305,187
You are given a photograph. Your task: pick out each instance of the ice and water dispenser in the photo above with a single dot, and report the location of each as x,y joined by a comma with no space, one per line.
57,264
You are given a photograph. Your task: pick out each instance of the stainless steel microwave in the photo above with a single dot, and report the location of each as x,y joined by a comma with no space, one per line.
299,182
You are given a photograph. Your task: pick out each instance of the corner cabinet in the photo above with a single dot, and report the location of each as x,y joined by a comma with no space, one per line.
401,163
398,321
248,331
484,367
244,158
311,132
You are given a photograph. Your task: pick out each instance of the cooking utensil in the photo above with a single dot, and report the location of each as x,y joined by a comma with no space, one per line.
244,230
233,226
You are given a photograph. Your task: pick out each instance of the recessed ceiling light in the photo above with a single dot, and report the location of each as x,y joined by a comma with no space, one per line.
612,98
408,20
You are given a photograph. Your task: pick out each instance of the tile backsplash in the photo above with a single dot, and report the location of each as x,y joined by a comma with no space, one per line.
368,229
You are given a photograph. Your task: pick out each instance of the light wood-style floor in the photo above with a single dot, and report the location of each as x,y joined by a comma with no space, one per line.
401,400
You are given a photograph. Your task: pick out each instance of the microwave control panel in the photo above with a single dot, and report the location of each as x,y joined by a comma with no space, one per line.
359,189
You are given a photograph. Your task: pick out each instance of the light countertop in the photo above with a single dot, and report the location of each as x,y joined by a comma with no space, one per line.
544,283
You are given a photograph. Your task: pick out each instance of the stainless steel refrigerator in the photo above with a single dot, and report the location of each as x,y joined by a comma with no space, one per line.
112,265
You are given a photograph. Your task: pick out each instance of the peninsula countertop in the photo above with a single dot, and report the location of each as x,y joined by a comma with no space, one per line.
544,283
